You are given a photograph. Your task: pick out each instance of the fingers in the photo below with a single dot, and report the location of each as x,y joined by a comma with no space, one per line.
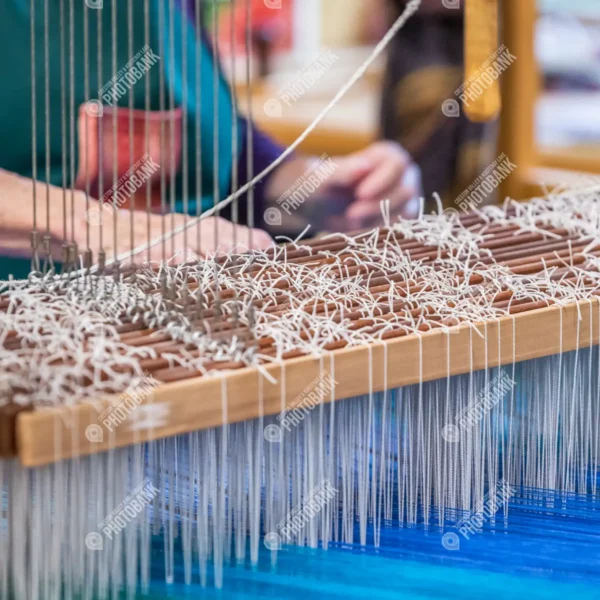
394,178
390,163
350,170
221,236
264,241
258,239
213,235
207,237
364,213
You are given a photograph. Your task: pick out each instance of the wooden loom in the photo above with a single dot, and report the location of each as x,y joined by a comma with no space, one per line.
232,393
32,435
195,403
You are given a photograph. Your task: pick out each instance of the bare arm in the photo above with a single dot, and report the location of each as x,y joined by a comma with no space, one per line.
16,213
16,223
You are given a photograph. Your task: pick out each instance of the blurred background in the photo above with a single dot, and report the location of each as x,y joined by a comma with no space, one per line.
550,123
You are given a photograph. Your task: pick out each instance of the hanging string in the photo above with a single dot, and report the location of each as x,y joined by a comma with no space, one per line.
234,137
131,100
234,126
198,78
215,75
147,105
249,131
161,106
48,264
172,166
72,129
216,162
35,261
100,124
184,122
63,140
88,257
115,132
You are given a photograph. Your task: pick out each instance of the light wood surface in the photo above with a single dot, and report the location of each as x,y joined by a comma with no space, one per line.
352,126
206,402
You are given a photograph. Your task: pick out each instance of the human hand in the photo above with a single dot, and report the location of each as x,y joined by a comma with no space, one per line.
383,171
118,232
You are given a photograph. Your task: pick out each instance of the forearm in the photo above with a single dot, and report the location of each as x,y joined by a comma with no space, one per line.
17,212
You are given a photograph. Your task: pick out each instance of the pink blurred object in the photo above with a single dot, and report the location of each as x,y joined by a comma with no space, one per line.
89,124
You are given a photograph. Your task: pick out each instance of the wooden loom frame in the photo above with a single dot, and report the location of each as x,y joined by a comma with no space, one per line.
521,88
45,435
48,435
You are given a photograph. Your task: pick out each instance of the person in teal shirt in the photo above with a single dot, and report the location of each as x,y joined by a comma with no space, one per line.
90,151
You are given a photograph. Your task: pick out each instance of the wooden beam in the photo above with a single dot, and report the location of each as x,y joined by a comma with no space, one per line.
520,86
47,435
481,43
8,426
581,160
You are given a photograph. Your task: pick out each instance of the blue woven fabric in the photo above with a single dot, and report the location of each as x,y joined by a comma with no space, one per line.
549,550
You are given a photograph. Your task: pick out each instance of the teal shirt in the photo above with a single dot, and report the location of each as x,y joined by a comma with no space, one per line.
16,93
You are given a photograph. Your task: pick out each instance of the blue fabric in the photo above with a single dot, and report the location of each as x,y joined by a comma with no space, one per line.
19,268
549,550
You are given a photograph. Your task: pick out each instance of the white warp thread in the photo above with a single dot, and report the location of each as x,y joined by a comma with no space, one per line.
69,347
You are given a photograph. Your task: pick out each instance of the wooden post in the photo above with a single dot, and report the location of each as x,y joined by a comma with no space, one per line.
481,44
520,86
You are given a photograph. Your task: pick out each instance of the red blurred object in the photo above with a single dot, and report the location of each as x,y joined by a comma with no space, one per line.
145,144
271,26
